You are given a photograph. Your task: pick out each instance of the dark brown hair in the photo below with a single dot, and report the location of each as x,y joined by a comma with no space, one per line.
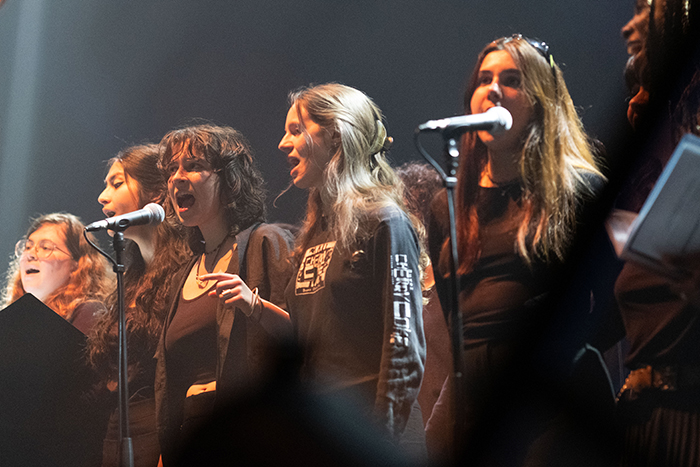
228,152
147,289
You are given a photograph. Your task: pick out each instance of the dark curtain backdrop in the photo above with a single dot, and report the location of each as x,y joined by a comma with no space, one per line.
82,79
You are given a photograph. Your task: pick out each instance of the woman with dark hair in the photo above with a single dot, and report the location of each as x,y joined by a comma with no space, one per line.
153,254
517,198
212,346
55,264
635,30
659,405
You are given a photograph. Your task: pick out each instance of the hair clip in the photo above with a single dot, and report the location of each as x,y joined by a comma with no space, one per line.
388,142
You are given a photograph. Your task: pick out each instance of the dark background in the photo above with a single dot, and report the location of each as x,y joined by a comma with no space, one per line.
82,79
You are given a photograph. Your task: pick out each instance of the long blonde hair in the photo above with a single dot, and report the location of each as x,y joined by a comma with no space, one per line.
358,181
555,156
91,280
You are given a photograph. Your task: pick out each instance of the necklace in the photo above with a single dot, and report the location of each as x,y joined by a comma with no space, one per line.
200,283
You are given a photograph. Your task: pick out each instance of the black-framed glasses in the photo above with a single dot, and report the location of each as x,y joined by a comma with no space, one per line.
540,46
42,250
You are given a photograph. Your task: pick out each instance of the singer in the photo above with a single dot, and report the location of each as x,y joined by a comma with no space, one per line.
55,264
356,298
210,349
516,201
153,254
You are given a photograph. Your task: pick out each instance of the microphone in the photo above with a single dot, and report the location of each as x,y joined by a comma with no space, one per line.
495,120
151,213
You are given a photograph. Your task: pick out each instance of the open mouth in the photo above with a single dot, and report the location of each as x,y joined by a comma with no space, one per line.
31,271
184,200
293,161
108,213
634,46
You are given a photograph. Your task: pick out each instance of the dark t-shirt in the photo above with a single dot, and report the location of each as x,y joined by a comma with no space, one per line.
359,314
500,292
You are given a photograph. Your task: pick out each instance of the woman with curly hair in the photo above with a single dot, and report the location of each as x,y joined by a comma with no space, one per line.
153,254
518,197
213,343
55,263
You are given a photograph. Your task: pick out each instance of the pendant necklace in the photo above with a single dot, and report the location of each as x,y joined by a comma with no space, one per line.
200,283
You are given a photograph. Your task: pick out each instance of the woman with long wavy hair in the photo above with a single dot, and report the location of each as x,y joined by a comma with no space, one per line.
356,299
153,254
517,200
55,263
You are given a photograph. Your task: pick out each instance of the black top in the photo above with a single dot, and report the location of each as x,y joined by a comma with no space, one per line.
191,342
359,314
239,341
500,292
661,327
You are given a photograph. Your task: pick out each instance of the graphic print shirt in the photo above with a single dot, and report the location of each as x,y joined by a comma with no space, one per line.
358,312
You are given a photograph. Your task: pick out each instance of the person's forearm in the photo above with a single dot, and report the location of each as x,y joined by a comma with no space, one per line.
273,319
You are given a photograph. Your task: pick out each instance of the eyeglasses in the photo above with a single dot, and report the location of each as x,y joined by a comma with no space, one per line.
42,250
540,46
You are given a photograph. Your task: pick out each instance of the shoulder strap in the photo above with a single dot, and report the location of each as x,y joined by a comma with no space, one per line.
242,242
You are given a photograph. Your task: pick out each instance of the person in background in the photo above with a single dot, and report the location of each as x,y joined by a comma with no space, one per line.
55,264
634,32
153,254
421,182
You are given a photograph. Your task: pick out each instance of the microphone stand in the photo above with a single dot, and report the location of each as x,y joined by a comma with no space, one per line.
451,150
126,449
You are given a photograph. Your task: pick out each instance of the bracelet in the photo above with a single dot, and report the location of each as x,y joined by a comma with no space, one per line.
253,303
257,307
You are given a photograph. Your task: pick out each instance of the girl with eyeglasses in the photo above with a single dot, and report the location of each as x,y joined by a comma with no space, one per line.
517,199
55,264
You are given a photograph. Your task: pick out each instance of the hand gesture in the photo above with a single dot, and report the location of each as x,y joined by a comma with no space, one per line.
231,290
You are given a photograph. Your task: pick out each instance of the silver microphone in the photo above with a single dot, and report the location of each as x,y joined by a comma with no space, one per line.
151,213
495,120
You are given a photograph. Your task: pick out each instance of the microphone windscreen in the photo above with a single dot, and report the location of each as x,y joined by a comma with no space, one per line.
157,212
505,119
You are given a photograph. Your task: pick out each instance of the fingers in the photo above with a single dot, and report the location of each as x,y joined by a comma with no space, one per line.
226,293
224,282
229,288
228,296
218,276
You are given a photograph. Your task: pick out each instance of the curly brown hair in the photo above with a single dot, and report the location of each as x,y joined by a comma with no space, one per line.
228,152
